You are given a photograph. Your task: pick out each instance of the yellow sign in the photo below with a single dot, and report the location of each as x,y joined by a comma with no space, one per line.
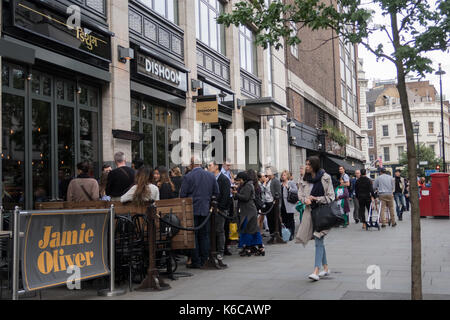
208,111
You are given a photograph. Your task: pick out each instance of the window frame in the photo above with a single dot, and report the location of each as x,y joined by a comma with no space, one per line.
243,30
387,130
166,6
220,30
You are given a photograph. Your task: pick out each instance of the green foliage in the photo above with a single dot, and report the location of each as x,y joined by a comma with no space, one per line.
336,135
425,154
423,25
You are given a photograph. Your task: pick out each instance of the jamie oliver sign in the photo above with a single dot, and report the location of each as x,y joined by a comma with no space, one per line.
67,29
56,242
160,71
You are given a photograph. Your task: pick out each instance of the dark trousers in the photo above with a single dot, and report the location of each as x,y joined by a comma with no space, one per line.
407,203
363,205
288,220
271,219
355,209
201,252
220,234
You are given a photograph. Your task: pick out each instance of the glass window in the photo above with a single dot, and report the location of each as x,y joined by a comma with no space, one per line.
401,150
387,156
247,49
369,124
294,48
370,142
66,148
432,148
41,155
208,30
385,131
13,150
430,127
5,75
166,8
18,79
89,137
399,129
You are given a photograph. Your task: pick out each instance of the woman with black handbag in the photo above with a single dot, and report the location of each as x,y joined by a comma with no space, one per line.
290,198
315,189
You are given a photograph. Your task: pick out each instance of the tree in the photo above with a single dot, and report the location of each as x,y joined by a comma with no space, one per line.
416,27
425,154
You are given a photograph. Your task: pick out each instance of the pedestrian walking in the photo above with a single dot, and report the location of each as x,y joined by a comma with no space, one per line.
226,171
399,197
344,176
250,239
262,217
342,196
385,185
121,179
316,188
365,195
406,193
273,193
201,186
223,205
288,208
354,197
83,187
143,190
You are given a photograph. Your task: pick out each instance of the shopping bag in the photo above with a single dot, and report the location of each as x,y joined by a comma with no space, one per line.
285,233
300,207
234,231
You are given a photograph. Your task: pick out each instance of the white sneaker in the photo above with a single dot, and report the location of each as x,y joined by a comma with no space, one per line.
314,277
324,274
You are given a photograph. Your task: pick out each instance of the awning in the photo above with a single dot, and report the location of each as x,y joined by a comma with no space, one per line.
331,165
264,107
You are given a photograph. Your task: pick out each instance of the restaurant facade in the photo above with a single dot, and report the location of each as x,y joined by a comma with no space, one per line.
83,79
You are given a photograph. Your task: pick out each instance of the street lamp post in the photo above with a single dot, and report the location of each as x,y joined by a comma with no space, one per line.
440,72
416,131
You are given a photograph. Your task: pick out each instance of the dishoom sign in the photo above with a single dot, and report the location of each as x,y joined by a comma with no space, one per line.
55,241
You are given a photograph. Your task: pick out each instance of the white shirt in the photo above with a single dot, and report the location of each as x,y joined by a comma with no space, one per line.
154,194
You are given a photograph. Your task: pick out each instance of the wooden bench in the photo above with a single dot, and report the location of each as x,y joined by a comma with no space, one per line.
182,208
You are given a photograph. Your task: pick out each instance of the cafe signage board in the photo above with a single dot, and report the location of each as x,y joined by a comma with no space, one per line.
161,72
207,110
61,28
57,246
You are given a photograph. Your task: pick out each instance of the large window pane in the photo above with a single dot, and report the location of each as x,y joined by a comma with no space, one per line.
18,79
148,144
160,7
89,139
41,151
5,75
13,151
204,23
66,149
213,30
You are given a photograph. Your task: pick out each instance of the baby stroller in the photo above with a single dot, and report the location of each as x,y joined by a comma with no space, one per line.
373,220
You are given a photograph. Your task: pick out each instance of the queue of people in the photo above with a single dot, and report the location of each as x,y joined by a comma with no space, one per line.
249,198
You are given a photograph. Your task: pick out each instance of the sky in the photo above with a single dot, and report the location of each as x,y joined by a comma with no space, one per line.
385,70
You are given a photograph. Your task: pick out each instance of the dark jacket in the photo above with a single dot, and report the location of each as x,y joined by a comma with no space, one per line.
364,188
224,199
200,185
166,192
177,181
275,189
247,208
120,180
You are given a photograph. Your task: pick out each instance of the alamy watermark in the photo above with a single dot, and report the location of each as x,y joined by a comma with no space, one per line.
374,280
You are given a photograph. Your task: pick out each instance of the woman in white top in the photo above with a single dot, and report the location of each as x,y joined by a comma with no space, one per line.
143,190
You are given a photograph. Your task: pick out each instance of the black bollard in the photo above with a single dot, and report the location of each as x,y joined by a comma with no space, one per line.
212,262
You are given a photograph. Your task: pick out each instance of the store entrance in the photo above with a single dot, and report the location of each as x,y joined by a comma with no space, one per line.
49,124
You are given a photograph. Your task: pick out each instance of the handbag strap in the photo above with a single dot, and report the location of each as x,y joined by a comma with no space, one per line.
86,193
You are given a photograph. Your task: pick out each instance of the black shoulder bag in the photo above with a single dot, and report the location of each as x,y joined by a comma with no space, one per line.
327,216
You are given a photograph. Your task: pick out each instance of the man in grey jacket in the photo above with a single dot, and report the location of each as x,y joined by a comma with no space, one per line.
386,186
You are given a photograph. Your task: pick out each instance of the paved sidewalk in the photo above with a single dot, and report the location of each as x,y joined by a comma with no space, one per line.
282,273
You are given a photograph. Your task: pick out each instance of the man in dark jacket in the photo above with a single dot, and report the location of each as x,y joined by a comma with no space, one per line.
200,185
364,194
121,179
223,204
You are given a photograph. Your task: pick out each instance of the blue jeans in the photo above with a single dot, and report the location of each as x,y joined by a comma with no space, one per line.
400,202
321,255
201,252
